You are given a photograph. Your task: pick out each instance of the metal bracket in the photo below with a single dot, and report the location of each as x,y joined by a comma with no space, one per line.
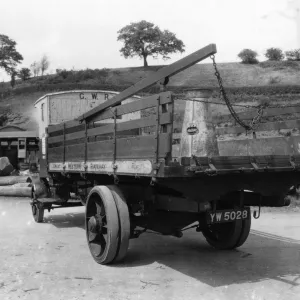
153,181
83,176
254,164
64,144
163,83
114,166
116,179
212,171
292,162
85,144
195,165
256,214
242,196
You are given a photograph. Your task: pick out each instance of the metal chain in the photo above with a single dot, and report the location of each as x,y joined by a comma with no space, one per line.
256,120
227,101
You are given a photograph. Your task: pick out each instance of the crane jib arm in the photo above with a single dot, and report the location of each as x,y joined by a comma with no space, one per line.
169,70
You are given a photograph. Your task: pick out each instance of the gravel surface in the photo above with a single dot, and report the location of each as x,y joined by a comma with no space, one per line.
51,261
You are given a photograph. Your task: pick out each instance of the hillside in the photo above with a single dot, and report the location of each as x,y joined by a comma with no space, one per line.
267,81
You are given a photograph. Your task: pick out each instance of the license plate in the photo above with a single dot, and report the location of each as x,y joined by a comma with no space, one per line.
223,216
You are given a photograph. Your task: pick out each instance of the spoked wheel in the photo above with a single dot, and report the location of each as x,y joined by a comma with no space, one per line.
106,225
228,235
37,212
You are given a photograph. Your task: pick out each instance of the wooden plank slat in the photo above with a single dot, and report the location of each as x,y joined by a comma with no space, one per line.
251,113
169,70
69,136
60,126
165,118
290,124
128,108
148,102
55,139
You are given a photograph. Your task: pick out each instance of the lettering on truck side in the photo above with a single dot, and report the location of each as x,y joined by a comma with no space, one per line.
95,166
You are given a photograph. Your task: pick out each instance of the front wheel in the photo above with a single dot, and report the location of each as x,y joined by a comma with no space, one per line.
37,212
225,236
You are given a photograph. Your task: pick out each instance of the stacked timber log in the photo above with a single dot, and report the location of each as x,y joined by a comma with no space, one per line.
16,186
5,166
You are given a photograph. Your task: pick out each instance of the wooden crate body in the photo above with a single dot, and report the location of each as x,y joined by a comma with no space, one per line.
114,147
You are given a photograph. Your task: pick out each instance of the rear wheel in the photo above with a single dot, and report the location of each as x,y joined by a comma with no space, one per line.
107,224
124,221
225,236
245,232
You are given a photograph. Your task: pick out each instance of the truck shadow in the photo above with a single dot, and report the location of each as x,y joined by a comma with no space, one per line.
67,220
263,256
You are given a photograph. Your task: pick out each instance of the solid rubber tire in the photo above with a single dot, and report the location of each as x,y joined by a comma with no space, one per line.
246,226
228,244
124,221
39,215
112,219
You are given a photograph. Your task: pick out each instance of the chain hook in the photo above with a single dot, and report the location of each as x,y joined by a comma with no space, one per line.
225,98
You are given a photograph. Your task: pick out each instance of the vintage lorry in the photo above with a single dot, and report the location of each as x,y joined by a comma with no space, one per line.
131,180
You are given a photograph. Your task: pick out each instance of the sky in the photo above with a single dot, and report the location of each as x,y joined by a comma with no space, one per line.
77,34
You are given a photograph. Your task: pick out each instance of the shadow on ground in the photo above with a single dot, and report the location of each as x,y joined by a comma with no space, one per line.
263,256
67,220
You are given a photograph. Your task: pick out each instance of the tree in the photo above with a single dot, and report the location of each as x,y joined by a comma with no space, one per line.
293,54
12,72
9,56
274,54
36,68
143,39
24,74
44,63
248,56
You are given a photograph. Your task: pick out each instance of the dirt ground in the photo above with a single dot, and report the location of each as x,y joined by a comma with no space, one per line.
52,261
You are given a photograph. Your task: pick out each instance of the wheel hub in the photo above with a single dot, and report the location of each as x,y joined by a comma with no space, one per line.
95,224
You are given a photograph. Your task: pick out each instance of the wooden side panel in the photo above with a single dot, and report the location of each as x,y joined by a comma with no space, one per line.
261,146
100,142
165,118
56,154
75,152
262,127
136,147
